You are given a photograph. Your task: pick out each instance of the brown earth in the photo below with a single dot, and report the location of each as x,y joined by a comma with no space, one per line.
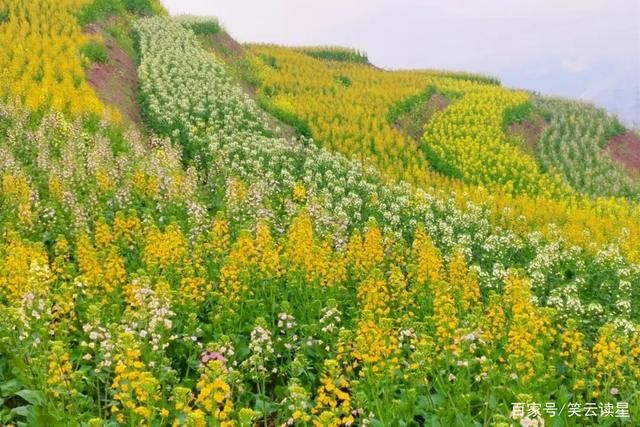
625,149
225,46
115,82
414,122
530,130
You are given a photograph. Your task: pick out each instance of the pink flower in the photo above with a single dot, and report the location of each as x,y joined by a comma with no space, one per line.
208,356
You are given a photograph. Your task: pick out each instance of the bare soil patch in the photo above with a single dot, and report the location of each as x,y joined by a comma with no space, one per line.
225,46
625,149
115,82
413,123
530,130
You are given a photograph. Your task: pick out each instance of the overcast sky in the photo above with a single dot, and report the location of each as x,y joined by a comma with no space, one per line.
587,49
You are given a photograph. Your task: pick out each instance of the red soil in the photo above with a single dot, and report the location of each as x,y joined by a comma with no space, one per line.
225,46
115,82
625,149
531,130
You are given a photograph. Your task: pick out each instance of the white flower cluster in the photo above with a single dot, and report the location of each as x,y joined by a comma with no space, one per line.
188,95
572,144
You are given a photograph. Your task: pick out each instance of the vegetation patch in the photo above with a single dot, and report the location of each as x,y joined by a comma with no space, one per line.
99,10
412,114
343,80
528,131
470,77
285,115
120,30
95,52
200,25
339,54
587,147
144,7
517,113
269,60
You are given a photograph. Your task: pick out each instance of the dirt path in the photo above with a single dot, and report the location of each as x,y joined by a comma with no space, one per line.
531,130
115,82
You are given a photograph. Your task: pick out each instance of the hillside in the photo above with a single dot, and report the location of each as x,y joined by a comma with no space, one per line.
196,232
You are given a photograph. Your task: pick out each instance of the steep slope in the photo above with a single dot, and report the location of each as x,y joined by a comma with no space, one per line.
356,122
221,275
114,77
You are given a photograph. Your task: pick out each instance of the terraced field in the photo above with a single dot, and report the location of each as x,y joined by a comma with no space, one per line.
209,269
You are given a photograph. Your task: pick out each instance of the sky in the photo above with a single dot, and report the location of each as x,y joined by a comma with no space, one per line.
586,49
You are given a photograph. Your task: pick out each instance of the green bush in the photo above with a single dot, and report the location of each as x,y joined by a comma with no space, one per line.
517,114
615,128
95,52
99,10
4,16
270,61
140,7
472,77
120,32
343,80
205,28
339,54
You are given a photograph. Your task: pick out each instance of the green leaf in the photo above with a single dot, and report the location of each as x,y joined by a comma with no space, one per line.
22,411
35,397
10,387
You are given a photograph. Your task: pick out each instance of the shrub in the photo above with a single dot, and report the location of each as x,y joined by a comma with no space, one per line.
471,77
99,10
95,52
201,25
4,16
615,128
119,31
270,61
343,80
517,114
340,54
141,7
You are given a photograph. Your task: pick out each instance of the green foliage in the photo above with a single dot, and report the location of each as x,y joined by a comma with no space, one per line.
4,16
270,61
472,77
343,80
95,52
246,72
206,28
615,128
301,127
120,31
203,26
140,7
409,105
517,114
413,113
339,54
99,10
